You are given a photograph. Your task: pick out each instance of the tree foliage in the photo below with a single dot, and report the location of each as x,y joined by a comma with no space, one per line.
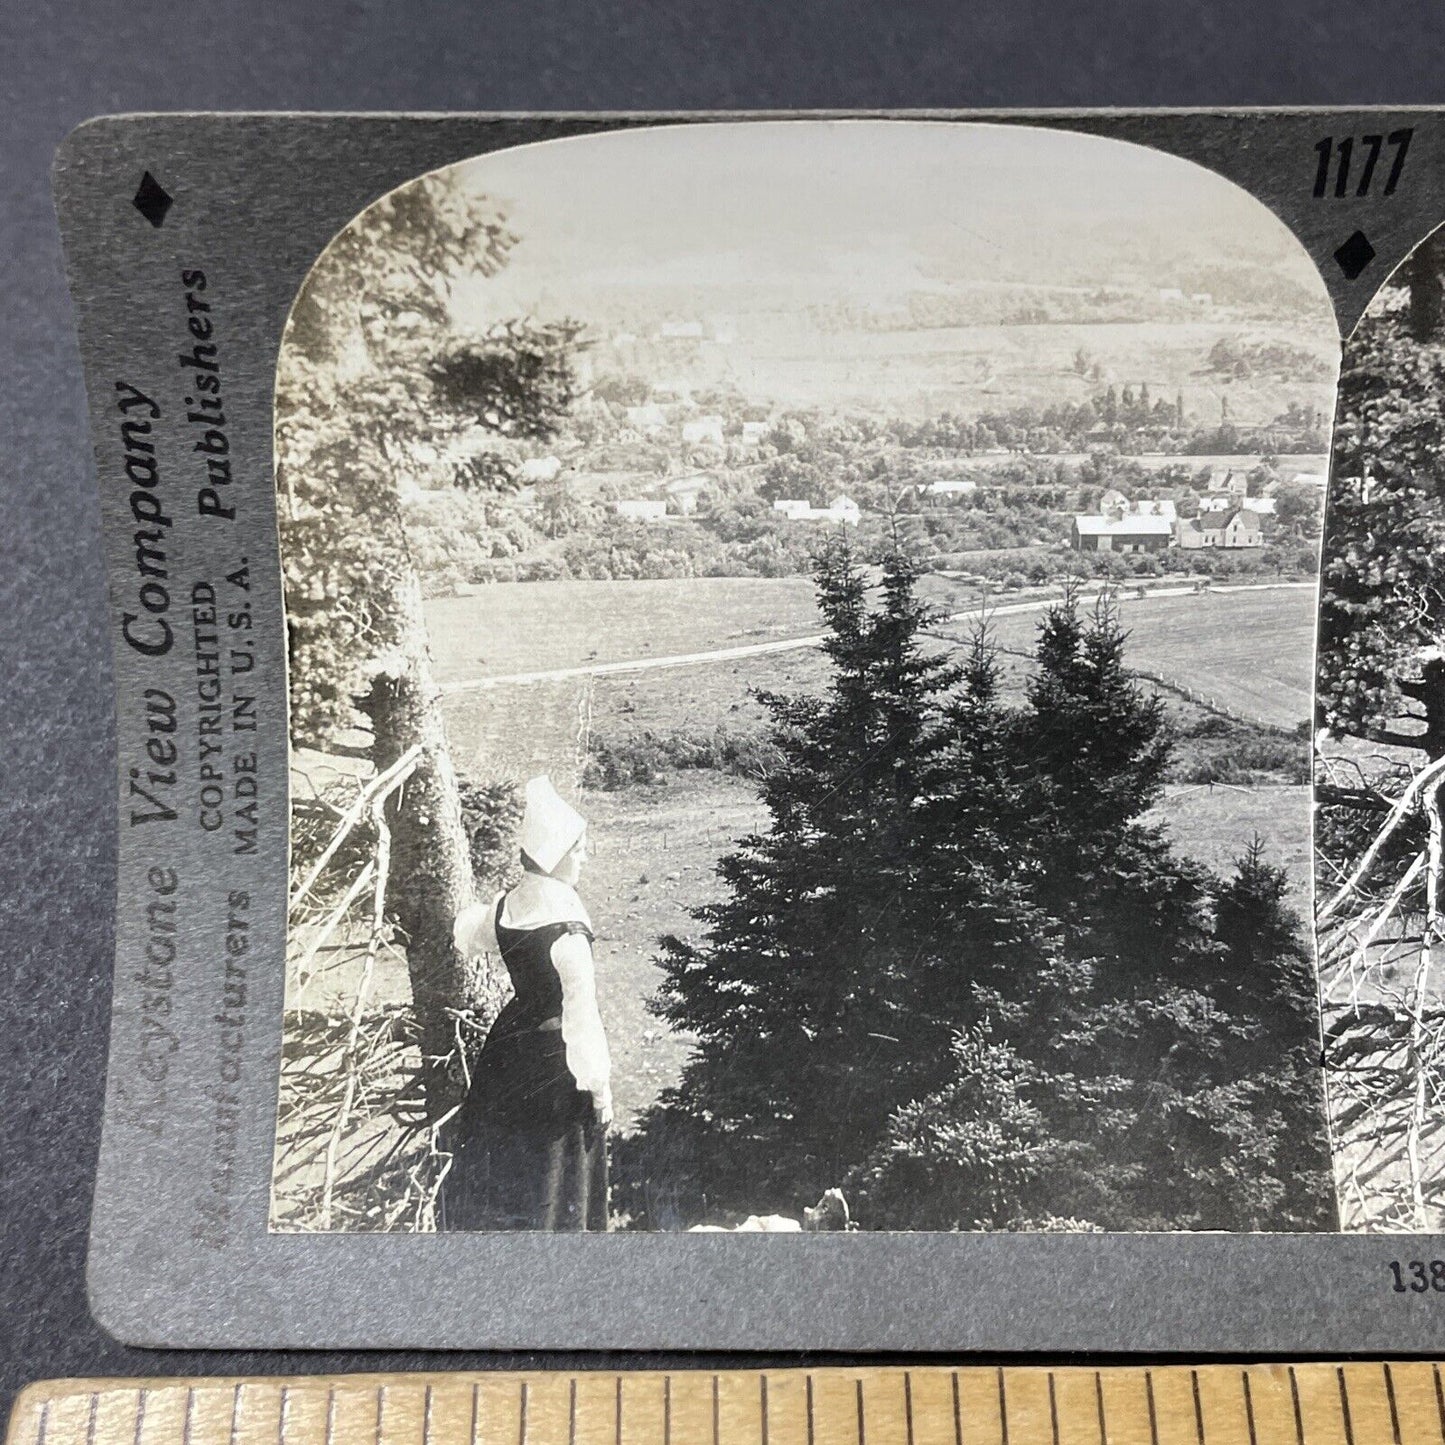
1381,672
965,977
375,381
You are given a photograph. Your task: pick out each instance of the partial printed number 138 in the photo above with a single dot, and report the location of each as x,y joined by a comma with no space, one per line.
1353,161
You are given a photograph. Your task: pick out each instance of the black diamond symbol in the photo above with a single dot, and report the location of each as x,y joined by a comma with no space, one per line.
152,201
1355,255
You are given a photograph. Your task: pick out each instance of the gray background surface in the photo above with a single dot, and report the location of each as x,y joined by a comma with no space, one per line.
62,63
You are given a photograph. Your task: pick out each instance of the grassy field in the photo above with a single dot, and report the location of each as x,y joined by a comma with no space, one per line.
1252,651
655,848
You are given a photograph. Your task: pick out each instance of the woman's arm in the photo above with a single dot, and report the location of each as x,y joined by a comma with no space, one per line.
582,1033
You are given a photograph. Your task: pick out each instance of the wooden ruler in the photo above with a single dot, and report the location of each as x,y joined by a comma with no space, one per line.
1314,1404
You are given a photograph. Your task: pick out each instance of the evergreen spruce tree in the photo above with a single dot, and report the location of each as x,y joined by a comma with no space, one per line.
1153,1064
1266,985
965,976
799,994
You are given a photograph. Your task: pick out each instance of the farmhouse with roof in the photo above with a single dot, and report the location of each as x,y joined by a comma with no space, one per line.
641,509
1124,526
1239,528
1120,531
841,509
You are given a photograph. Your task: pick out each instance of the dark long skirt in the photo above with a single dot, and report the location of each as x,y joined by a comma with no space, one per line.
517,1178
526,1150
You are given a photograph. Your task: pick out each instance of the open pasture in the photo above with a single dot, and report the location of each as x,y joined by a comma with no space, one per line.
1250,650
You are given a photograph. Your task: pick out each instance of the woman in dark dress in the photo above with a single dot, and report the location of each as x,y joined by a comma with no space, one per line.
528,1143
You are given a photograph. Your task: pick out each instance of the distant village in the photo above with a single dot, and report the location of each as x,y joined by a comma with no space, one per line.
1227,518
675,477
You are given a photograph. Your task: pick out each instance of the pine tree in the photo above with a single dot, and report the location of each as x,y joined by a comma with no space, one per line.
1097,748
1265,982
965,977
1149,1064
800,994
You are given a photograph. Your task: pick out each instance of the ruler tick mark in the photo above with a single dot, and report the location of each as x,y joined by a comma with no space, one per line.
763,1404
1198,1407
1099,1405
1345,1407
862,1433
476,1407
236,1414
908,1407
1153,1417
716,1410
957,1413
380,1410
284,1418
1439,1401
188,1420
1002,1408
1394,1409
90,1421
42,1425
1248,1406
1053,1410
810,1409
522,1414
572,1413
617,1412
667,1410
1299,1419
425,1418
330,1414
140,1412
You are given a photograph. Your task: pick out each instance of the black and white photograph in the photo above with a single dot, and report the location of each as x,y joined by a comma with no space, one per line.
801,645
1380,749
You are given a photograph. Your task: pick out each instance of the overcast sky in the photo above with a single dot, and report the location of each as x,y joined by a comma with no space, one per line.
850,209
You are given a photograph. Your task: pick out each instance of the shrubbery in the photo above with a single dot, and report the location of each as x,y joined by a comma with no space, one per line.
647,757
1209,748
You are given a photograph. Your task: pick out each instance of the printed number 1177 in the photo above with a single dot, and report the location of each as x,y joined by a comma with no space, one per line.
1340,155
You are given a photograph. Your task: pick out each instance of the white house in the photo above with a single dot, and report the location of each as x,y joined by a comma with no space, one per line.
703,431
649,418
1114,500
641,509
950,489
753,432
840,509
1262,505
1236,484
540,469
1231,530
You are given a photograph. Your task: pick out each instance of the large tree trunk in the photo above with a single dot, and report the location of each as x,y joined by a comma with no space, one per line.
431,869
